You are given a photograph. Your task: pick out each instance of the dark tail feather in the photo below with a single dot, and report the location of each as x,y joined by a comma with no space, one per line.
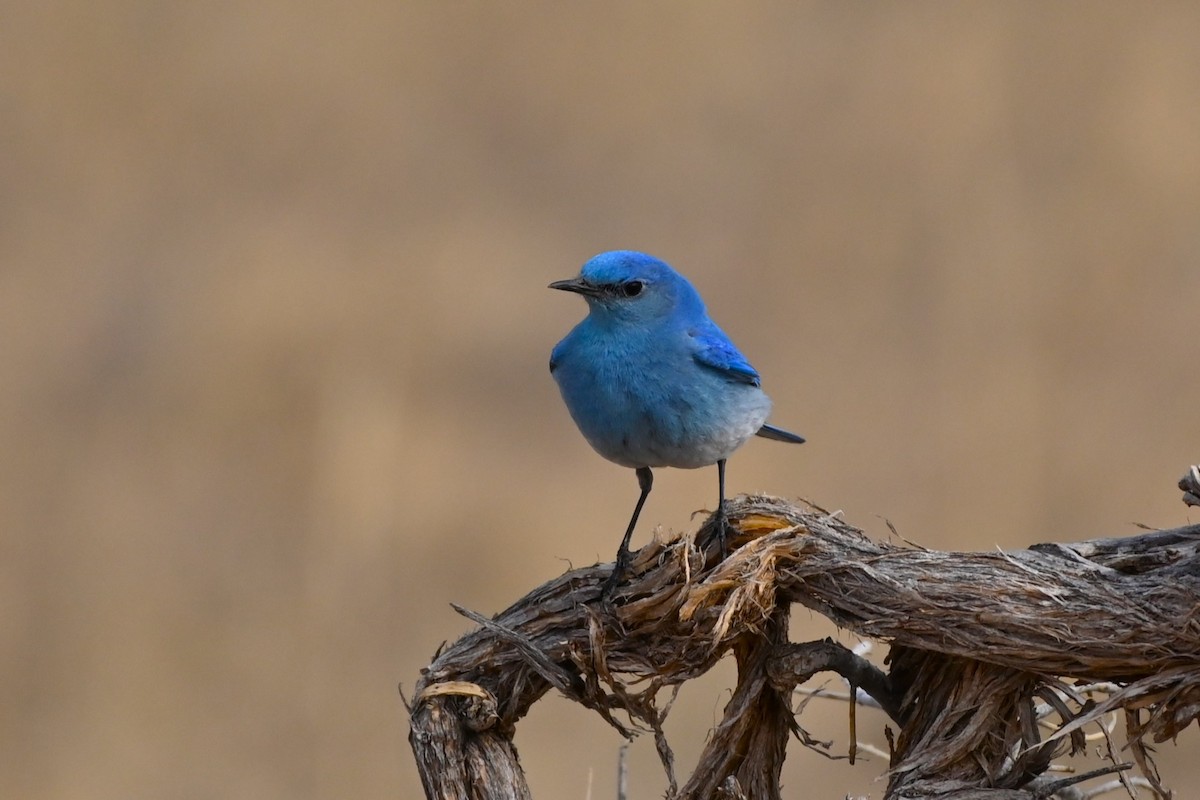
779,434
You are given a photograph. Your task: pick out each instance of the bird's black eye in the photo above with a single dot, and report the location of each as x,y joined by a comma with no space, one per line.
632,288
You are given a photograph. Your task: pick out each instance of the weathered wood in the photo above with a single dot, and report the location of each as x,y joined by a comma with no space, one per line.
462,751
1190,485
977,639
749,743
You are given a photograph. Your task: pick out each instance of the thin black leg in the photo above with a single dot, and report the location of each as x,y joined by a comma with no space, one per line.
722,522
645,481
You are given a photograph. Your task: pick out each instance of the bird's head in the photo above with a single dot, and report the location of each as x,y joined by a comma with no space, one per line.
625,286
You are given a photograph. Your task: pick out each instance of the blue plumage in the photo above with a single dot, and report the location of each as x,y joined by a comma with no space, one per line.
651,380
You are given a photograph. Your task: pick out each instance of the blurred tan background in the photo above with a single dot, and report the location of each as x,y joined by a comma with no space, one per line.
274,332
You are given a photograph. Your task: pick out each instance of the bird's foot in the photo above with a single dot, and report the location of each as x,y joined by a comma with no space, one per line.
608,591
724,530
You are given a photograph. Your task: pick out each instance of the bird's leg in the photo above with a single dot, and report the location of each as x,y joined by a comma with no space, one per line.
645,481
722,520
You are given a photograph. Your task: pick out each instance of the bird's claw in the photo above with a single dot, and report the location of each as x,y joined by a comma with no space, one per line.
721,523
609,589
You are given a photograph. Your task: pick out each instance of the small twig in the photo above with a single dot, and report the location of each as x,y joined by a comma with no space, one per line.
853,722
796,663
623,772
1113,786
1053,787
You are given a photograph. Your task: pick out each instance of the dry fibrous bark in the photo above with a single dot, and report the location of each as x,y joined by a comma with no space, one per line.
1190,484
983,646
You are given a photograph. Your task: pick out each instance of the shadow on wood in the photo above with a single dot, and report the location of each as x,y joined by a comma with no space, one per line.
983,646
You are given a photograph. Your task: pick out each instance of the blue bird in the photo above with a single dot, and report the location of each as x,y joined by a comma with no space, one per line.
651,381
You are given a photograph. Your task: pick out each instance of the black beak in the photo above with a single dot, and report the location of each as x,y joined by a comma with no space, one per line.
576,285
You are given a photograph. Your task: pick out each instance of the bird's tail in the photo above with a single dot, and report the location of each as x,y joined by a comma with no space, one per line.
779,434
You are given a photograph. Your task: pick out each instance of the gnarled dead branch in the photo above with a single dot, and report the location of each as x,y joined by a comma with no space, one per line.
983,646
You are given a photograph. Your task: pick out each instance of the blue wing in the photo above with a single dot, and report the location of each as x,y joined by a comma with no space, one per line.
715,351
